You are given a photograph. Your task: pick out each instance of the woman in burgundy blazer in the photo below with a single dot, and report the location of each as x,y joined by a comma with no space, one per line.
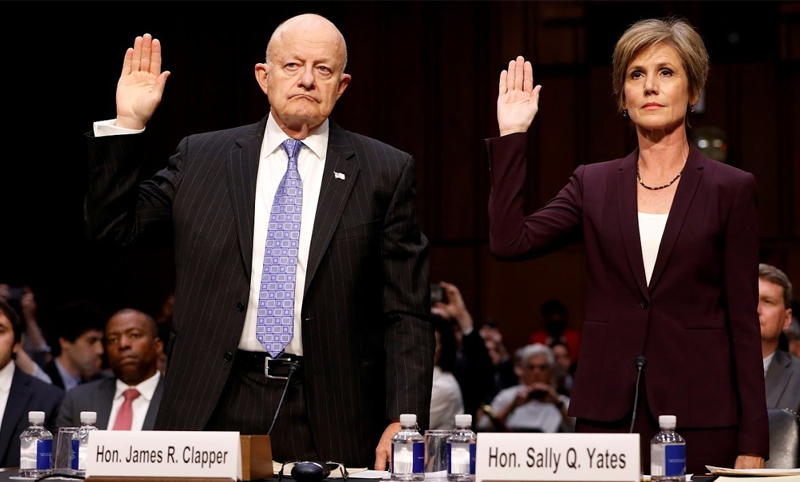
671,242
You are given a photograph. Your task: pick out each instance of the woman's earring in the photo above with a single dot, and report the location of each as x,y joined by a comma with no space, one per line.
625,113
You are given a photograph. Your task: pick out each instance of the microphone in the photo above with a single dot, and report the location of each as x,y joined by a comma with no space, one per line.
293,367
641,361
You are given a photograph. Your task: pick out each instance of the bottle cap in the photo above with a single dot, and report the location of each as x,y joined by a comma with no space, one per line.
463,420
667,421
407,419
89,417
36,417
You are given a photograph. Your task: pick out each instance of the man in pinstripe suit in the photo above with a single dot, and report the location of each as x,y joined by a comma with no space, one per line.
361,333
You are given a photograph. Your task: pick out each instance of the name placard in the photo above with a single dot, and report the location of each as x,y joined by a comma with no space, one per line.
557,457
163,454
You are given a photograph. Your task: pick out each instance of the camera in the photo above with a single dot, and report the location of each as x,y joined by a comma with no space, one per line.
537,394
17,292
437,295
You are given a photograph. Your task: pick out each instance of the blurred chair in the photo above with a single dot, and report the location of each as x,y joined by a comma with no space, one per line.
784,439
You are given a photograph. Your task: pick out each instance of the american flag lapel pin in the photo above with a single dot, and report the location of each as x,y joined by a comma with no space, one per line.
338,175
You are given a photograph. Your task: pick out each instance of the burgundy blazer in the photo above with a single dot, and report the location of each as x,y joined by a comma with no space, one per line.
697,321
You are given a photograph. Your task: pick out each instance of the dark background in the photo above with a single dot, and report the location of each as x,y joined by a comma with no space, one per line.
424,80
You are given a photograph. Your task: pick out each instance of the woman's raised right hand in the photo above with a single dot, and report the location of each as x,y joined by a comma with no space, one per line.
518,99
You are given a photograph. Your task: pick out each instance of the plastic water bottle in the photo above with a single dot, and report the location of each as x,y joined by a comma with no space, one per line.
461,451
408,450
80,444
667,452
36,448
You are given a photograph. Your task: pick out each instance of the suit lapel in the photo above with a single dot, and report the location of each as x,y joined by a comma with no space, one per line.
777,378
338,180
152,410
18,397
690,179
629,219
108,389
242,175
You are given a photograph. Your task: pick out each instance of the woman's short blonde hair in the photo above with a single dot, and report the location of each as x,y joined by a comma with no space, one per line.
675,32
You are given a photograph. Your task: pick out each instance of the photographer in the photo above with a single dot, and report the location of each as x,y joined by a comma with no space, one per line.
533,405
474,369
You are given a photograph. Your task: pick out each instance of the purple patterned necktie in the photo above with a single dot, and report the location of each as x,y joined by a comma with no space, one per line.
275,325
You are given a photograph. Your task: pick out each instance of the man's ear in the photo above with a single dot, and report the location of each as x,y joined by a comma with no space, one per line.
262,72
787,319
343,83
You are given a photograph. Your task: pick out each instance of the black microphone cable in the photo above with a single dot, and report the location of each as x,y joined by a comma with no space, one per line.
293,367
641,361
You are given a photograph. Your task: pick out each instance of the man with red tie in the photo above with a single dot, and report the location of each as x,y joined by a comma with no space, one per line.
129,400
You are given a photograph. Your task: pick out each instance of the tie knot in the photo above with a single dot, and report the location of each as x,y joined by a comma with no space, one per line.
292,148
131,394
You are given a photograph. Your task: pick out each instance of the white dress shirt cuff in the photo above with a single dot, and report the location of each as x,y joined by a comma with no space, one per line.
109,128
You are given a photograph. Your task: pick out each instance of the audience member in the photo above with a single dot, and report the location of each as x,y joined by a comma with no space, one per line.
446,399
504,375
473,370
564,368
781,370
19,392
130,399
533,405
556,328
793,335
76,343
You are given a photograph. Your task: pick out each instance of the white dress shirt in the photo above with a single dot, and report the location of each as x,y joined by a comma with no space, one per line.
6,377
651,229
140,404
767,361
273,162
271,168
446,400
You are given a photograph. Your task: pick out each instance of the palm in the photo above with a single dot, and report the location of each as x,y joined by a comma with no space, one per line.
518,99
141,83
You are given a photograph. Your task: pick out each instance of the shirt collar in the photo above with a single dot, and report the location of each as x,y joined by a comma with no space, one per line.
6,377
68,378
317,141
768,361
147,388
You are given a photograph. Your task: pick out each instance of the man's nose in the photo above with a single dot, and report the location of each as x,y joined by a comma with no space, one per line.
307,78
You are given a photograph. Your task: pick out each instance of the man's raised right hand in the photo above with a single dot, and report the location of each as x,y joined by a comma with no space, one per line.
141,83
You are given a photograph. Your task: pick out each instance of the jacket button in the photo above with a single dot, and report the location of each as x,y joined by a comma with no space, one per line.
644,304
228,356
240,307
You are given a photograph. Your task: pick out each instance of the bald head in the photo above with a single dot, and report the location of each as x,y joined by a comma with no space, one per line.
300,26
303,76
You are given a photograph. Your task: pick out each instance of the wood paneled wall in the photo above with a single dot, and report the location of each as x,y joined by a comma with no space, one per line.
425,79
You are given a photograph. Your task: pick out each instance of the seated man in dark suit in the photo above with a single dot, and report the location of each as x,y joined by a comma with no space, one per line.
781,370
129,400
19,392
76,341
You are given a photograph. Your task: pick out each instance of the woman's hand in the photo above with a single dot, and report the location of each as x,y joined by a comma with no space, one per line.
749,462
518,99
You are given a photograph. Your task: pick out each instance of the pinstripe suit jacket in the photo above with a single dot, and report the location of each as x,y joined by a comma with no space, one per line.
368,345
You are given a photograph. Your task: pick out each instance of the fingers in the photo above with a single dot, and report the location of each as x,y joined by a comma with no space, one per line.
147,47
144,56
518,76
136,60
527,82
519,73
155,57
